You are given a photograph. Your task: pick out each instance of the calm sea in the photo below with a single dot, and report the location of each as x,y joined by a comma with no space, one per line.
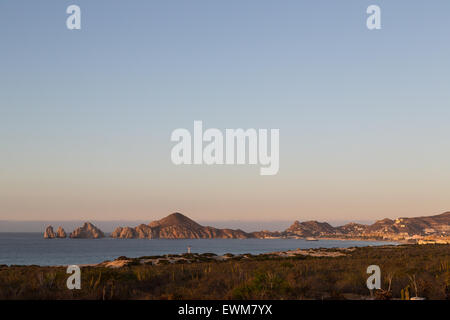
31,248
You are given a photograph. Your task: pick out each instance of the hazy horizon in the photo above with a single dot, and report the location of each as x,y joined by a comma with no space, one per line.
86,115
109,225
12,225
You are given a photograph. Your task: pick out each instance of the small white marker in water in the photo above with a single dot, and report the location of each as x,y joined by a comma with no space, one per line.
189,249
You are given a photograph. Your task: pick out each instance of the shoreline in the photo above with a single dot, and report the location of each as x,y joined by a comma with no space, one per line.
318,274
211,257
173,258
124,261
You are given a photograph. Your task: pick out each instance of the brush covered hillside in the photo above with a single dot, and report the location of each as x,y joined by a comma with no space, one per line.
336,274
177,226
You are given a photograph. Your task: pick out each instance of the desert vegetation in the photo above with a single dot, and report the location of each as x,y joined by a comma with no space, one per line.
406,271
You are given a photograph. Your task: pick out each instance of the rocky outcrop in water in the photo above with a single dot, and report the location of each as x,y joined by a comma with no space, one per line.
49,233
87,231
60,233
177,226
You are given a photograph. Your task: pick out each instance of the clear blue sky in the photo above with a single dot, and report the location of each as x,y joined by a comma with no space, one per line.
86,116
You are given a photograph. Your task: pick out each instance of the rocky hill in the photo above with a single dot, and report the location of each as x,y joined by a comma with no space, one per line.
87,231
401,228
423,226
310,229
177,226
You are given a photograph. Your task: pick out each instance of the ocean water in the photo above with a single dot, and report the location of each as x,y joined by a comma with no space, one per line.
32,248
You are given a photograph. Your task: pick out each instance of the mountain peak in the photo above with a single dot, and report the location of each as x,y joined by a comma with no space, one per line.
177,226
177,215
174,219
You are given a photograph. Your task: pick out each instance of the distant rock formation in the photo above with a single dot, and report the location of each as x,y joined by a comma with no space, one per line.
177,226
87,231
310,229
266,234
49,233
60,233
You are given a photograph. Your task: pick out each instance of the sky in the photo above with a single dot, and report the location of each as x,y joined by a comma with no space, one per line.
86,115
